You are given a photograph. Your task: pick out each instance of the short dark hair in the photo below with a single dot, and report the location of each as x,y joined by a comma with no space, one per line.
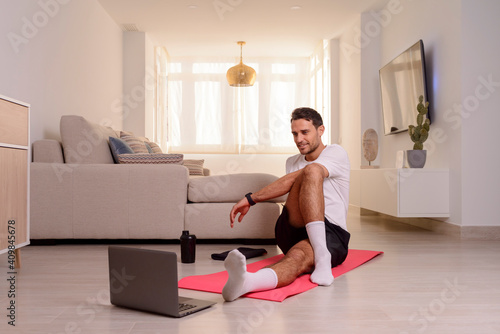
308,114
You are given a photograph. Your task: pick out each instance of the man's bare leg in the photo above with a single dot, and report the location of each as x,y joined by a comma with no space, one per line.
298,260
305,205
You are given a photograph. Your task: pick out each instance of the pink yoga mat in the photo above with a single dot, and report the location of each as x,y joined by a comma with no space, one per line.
215,282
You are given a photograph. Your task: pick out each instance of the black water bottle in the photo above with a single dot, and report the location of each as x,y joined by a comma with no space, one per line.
188,247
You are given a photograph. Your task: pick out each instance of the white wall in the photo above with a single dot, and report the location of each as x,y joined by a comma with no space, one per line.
442,44
480,51
138,83
62,58
370,88
461,52
350,98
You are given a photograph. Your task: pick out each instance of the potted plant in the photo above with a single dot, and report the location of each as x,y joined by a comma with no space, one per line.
419,134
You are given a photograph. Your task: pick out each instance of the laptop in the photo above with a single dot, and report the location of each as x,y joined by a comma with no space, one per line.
146,280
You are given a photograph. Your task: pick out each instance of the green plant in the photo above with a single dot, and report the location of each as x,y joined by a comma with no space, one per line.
419,133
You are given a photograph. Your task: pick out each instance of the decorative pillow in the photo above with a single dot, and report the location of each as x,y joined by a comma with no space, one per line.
150,150
137,145
154,147
119,146
150,158
195,166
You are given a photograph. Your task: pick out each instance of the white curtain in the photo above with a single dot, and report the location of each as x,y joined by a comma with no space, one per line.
206,115
320,86
160,135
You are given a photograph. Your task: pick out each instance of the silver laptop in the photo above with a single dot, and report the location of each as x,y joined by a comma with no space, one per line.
146,280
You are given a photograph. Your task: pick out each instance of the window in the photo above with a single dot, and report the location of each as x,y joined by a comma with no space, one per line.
206,115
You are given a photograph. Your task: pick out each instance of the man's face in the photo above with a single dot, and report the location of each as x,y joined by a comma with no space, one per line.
306,136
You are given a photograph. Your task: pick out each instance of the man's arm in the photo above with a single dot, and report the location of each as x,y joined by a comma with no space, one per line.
276,189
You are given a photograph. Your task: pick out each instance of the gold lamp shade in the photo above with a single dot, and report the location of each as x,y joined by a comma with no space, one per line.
241,75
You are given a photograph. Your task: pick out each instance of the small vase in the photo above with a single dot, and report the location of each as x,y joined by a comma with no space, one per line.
416,158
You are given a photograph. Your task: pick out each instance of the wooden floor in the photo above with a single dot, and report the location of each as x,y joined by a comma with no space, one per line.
423,283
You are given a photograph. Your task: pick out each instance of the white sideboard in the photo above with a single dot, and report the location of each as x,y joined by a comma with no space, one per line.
405,192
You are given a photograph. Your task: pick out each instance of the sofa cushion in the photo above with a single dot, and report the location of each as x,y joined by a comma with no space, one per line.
195,166
150,158
154,147
228,188
47,150
84,141
137,145
119,146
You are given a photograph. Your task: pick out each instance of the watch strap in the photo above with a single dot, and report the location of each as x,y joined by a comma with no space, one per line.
249,199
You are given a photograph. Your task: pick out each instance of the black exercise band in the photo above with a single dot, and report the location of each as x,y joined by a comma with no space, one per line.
249,199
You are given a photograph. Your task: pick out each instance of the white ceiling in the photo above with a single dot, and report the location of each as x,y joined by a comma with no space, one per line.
271,28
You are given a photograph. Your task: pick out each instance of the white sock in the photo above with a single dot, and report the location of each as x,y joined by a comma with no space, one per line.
240,281
322,274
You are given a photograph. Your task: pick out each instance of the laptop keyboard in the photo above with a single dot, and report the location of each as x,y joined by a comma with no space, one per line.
185,307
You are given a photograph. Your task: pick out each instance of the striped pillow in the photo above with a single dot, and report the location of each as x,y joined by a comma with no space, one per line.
195,166
150,158
154,147
137,145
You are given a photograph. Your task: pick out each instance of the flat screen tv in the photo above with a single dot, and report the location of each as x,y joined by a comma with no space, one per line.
402,81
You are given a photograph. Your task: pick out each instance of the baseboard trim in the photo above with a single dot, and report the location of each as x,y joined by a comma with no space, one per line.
442,227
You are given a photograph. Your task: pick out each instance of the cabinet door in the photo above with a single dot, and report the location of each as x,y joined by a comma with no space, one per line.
14,125
14,194
423,193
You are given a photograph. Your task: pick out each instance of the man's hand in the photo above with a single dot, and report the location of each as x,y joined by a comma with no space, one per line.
242,208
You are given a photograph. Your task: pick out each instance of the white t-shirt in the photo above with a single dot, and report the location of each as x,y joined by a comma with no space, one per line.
336,186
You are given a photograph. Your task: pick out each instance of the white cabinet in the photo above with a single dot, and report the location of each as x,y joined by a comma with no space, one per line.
406,192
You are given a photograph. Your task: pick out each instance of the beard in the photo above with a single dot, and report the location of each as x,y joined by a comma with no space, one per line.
310,148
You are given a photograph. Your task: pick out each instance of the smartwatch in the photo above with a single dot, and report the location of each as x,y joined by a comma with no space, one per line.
249,199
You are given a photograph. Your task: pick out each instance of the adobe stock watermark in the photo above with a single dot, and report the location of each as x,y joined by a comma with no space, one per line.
125,104
250,322
87,311
483,91
485,88
371,29
223,6
421,319
220,182
30,26
74,156
94,138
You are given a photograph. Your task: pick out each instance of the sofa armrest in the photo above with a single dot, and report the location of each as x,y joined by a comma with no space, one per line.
47,150
229,188
107,201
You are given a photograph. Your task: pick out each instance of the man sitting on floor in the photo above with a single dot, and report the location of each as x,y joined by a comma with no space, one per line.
311,231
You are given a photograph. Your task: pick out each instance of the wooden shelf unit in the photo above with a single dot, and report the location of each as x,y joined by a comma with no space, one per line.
14,175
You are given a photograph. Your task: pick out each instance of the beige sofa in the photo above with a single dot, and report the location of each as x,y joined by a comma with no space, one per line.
78,192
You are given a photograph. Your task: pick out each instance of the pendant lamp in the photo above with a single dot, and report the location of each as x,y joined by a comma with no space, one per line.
241,75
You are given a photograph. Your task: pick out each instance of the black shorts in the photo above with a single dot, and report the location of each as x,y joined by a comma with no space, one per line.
337,239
